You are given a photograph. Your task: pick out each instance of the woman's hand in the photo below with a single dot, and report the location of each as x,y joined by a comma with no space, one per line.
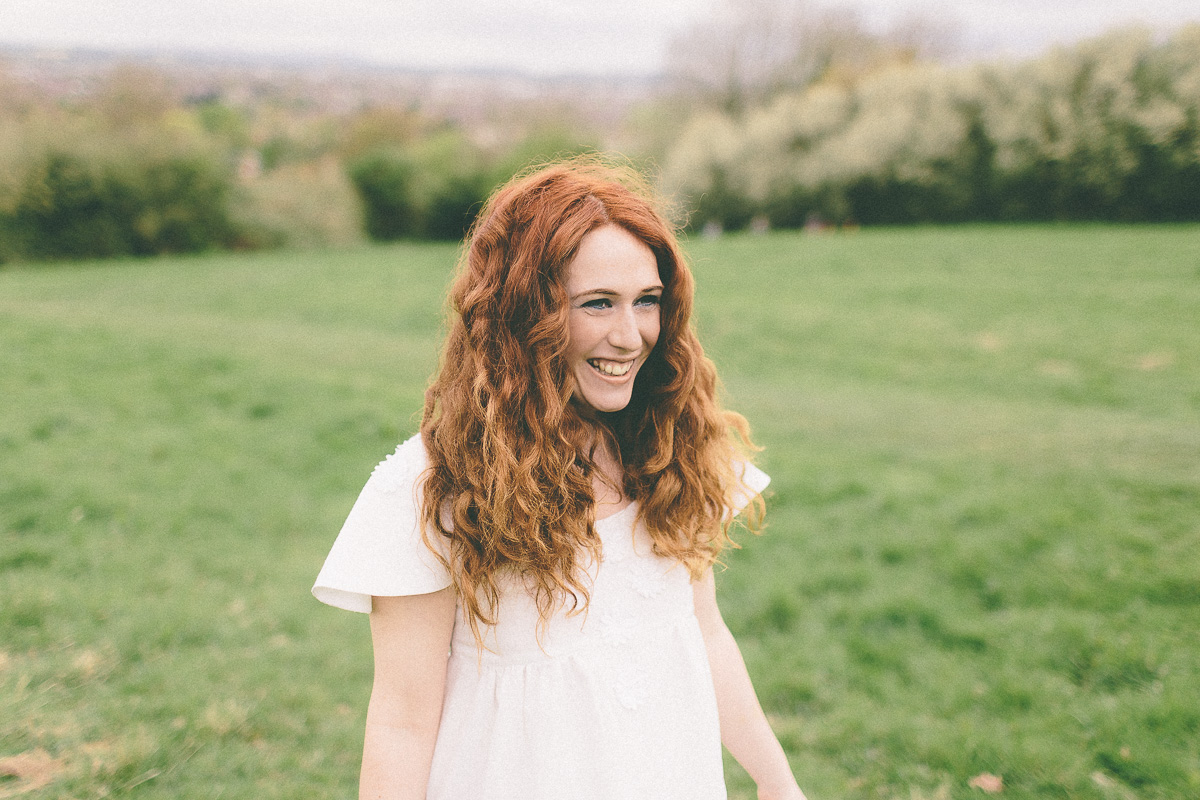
411,637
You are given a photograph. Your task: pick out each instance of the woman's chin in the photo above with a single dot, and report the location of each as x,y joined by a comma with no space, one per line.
604,407
602,402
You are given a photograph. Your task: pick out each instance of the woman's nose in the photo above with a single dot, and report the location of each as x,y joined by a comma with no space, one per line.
624,333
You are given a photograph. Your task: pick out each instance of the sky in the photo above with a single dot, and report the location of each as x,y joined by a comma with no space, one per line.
541,37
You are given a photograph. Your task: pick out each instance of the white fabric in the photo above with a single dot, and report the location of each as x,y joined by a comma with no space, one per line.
380,550
614,704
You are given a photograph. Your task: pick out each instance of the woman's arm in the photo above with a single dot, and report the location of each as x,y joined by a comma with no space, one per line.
411,637
744,728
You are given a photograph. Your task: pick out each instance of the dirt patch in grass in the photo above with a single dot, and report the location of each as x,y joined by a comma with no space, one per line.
32,770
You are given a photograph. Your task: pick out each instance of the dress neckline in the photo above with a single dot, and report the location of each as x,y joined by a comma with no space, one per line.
617,514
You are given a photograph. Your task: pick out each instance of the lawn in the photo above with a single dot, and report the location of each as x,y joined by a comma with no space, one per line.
983,555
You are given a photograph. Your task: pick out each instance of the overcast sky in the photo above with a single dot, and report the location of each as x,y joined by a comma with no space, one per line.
535,36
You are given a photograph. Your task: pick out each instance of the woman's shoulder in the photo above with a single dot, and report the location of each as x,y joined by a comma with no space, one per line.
751,481
380,550
402,468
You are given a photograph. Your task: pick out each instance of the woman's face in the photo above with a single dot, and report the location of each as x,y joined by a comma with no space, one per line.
613,290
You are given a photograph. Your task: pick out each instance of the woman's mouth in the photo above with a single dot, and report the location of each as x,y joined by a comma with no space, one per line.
614,369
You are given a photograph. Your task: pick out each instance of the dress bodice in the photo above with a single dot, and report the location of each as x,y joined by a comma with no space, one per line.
610,703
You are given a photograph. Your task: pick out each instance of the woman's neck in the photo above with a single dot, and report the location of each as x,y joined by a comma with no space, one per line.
608,479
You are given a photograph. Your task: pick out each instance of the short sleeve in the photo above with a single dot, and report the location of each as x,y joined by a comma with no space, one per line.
753,482
380,550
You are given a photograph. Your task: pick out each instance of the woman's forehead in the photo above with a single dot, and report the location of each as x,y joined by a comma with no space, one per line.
612,260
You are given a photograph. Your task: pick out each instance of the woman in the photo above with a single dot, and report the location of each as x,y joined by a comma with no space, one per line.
554,526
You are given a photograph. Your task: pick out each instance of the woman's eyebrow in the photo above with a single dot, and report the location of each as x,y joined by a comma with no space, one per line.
614,293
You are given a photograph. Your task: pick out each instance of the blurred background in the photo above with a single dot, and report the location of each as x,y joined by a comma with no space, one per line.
150,127
948,265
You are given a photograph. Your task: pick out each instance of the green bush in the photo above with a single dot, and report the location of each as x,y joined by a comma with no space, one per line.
430,190
722,203
72,205
384,180
454,181
1106,130
68,208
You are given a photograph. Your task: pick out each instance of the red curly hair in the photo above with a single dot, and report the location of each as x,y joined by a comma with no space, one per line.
510,478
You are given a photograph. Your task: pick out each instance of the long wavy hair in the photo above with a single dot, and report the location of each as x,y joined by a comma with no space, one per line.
510,479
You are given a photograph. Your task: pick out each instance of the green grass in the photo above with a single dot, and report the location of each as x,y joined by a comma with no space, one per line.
984,541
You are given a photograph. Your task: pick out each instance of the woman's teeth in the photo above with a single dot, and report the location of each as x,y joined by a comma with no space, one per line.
614,368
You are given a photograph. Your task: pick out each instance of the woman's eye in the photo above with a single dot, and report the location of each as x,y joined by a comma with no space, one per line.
598,303
649,300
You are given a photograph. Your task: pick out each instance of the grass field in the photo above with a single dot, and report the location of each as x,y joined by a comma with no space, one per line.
984,542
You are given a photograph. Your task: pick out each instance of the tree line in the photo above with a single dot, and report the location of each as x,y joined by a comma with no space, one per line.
132,167
1106,130
823,121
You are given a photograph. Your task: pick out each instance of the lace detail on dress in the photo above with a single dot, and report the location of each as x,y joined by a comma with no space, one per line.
392,472
645,577
631,684
618,546
616,630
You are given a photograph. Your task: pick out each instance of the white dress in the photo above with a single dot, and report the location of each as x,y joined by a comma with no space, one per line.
612,705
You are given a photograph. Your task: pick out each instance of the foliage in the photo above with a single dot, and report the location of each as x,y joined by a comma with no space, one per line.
384,180
1107,130
777,111
133,167
753,50
299,205
380,129
547,142
127,174
982,557
432,188
428,191
70,207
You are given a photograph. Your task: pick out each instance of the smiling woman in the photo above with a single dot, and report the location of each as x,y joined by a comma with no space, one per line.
614,291
555,524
